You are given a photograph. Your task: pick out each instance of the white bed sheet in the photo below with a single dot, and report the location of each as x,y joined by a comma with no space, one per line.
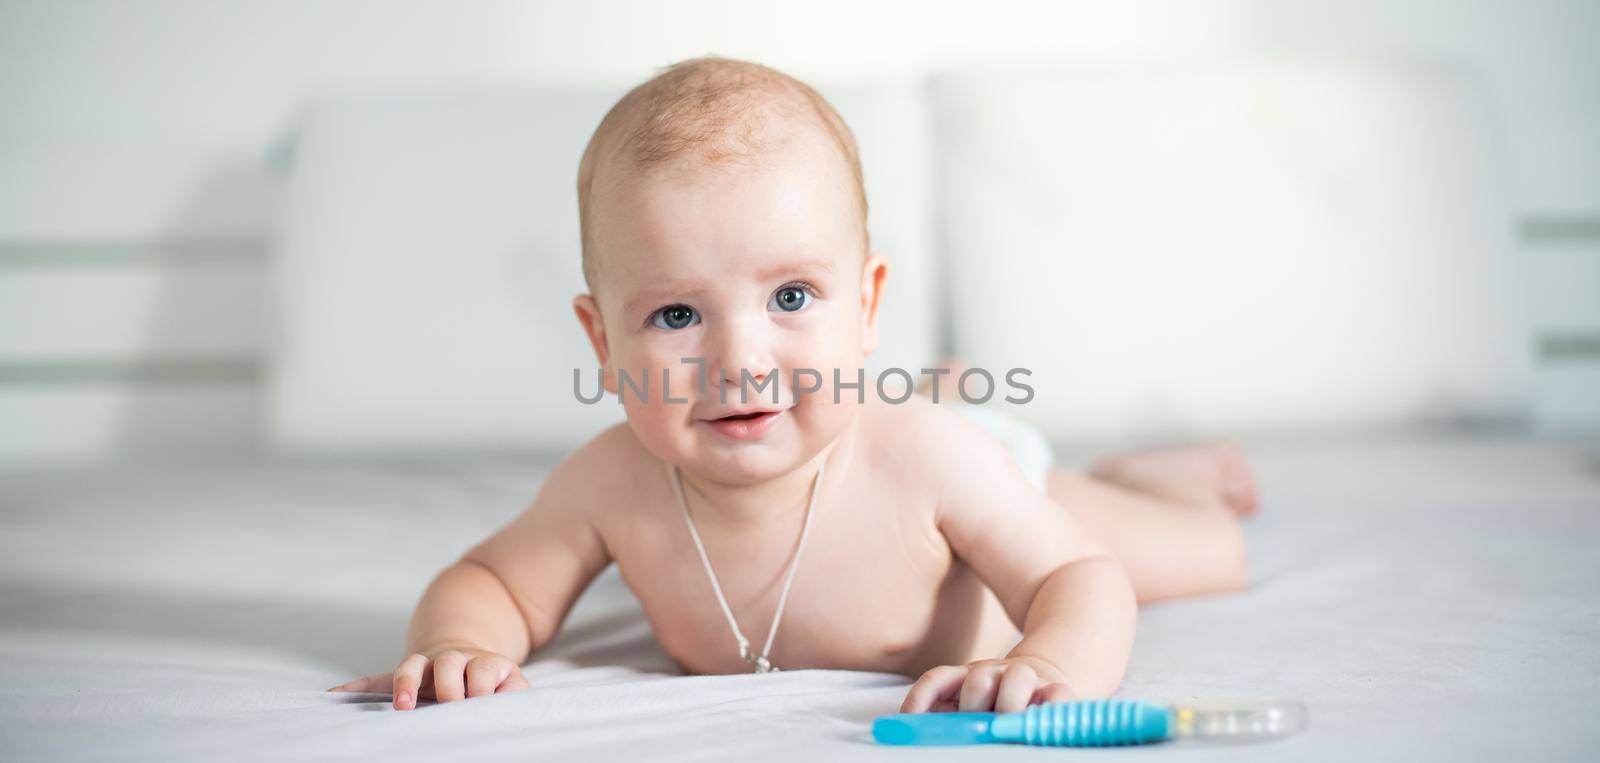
1428,600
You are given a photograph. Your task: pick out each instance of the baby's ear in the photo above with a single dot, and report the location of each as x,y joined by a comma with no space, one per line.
594,327
873,274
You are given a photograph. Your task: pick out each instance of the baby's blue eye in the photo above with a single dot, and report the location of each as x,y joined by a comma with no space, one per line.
674,317
789,299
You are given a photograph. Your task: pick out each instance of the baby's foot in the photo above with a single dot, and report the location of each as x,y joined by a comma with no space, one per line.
1187,473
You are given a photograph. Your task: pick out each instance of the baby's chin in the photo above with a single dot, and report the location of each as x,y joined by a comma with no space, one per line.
746,468
729,461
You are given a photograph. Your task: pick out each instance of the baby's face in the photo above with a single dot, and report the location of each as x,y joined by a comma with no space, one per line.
750,268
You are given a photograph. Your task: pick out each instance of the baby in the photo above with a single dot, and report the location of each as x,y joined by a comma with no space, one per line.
724,242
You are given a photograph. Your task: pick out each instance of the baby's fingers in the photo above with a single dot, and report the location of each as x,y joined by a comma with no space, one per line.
514,682
1017,686
977,694
408,680
449,676
484,674
382,683
1053,693
936,690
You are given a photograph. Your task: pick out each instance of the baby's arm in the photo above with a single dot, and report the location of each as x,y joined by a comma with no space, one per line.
1072,600
482,617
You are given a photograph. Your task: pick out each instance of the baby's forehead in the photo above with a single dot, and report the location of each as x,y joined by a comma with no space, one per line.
768,206
793,193
710,122
789,153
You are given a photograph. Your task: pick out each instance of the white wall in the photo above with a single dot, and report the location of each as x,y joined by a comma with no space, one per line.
127,127
189,84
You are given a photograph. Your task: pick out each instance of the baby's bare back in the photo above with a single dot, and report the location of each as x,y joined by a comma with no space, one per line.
876,589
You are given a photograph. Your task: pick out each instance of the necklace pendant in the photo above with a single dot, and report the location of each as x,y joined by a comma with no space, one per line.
758,662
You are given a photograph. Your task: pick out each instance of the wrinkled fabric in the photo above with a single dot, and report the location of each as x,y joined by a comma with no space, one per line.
1427,600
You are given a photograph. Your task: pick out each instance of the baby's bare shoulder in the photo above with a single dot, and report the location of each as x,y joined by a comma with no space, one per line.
929,450
602,483
931,441
609,471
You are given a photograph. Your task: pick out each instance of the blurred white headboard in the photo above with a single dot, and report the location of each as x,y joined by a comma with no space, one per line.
1244,246
138,291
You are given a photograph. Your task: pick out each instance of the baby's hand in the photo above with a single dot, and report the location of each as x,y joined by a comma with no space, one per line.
448,676
1004,686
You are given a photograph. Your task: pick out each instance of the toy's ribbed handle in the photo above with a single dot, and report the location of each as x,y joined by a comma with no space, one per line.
1094,723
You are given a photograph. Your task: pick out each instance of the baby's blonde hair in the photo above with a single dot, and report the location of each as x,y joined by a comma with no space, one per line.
710,110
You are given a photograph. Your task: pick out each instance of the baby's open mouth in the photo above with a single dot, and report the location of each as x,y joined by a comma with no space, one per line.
745,416
748,425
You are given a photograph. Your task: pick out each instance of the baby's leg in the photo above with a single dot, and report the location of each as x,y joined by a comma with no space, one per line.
1171,547
1186,473
1170,516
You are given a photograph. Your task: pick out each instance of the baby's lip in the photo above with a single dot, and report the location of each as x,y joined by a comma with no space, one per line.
744,423
741,412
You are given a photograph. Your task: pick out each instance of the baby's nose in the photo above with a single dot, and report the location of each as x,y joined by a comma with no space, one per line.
746,349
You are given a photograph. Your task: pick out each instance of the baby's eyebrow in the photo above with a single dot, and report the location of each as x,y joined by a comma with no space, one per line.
652,296
790,268
657,294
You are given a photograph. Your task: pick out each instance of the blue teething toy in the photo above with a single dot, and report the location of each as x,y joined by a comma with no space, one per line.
1095,723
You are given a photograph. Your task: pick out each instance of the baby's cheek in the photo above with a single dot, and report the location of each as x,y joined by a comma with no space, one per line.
660,371
831,344
659,426
824,408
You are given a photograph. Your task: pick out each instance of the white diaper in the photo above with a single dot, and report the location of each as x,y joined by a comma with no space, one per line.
1027,444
